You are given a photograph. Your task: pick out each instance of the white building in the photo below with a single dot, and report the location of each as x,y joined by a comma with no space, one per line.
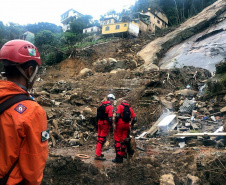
68,17
93,29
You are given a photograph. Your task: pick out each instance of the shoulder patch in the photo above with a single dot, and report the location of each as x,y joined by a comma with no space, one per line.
45,135
20,108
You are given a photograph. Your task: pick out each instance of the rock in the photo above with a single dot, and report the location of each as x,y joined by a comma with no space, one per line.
186,92
85,72
112,61
192,180
74,142
168,98
44,101
55,123
167,104
224,98
223,109
132,64
44,93
170,94
156,98
211,109
116,70
167,179
150,67
120,64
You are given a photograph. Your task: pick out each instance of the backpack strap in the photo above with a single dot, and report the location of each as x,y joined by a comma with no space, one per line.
4,106
4,180
13,100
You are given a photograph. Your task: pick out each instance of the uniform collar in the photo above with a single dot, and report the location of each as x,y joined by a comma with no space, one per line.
22,87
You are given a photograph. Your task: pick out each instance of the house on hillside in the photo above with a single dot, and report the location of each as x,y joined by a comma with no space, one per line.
121,28
158,20
108,20
28,36
151,20
68,17
94,29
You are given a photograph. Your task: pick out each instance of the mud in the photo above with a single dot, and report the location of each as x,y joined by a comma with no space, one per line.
71,91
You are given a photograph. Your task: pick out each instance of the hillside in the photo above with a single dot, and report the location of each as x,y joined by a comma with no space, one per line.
200,38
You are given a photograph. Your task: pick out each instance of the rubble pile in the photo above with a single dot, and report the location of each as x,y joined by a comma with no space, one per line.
181,99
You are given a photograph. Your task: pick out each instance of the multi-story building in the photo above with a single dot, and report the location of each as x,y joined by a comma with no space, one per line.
68,17
151,20
108,20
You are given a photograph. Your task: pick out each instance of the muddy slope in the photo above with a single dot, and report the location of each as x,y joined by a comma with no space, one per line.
212,15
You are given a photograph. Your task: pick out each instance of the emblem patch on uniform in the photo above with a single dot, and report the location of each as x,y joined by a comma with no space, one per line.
20,108
32,52
45,135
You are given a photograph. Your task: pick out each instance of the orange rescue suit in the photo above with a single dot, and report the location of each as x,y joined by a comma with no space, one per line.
20,137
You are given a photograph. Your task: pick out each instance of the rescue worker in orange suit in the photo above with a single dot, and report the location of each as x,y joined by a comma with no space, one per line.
121,130
23,126
104,123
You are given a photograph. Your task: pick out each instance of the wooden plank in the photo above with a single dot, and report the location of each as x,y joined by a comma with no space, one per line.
199,134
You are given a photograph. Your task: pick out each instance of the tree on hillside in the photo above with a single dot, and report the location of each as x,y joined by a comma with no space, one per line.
69,38
125,15
177,11
79,24
95,23
35,28
13,31
44,37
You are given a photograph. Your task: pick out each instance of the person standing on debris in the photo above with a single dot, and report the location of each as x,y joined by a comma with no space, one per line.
104,117
23,123
124,115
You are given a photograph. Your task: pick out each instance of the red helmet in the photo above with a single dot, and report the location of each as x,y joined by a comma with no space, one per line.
124,101
19,51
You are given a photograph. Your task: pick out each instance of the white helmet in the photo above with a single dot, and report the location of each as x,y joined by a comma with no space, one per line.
111,96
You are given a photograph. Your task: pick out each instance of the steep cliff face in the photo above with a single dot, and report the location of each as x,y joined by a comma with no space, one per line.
205,49
199,42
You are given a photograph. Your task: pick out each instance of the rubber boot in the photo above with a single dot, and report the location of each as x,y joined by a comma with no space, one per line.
118,159
100,158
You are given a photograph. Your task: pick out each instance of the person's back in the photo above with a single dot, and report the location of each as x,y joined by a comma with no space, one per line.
104,116
124,115
23,126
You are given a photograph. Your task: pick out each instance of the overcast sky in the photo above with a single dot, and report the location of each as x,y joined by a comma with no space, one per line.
30,12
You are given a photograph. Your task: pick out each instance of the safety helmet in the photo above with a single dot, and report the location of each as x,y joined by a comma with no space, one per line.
19,52
111,96
124,101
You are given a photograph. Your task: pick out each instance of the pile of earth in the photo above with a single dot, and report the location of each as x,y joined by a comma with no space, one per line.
71,103
159,164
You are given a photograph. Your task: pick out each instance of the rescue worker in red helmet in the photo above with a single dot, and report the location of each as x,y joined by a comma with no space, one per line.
122,128
23,129
104,116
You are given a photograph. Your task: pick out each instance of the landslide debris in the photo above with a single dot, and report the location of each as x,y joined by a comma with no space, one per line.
71,91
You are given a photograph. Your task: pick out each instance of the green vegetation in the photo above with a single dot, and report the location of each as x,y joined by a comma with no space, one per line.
177,11
91,43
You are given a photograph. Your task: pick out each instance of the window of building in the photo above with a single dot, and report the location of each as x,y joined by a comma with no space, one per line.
107,28
125,25
85,31
109,21
117,27
158,21
91,29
